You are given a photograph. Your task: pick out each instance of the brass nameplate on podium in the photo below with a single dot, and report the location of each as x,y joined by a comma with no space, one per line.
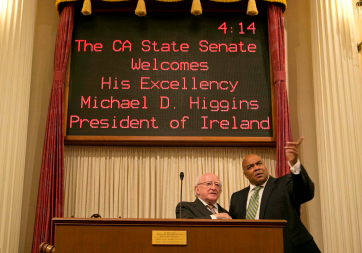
165,237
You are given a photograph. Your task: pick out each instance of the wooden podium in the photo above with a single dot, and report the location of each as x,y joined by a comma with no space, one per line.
138,235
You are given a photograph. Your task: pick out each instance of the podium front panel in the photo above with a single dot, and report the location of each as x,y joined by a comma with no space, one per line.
135,235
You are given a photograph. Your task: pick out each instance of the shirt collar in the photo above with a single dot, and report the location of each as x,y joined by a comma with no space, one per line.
253,186
205,204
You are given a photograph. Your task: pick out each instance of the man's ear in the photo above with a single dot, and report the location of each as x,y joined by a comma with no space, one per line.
197,190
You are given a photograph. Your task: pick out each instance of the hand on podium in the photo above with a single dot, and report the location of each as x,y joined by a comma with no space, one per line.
222,216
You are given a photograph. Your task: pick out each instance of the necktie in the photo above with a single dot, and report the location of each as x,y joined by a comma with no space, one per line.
211,208
253,204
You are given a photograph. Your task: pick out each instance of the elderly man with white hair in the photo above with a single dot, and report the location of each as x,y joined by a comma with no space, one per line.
207,191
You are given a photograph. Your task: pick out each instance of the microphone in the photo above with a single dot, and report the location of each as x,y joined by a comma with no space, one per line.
181,178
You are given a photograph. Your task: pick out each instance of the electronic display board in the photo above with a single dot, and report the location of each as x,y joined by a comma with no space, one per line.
170,77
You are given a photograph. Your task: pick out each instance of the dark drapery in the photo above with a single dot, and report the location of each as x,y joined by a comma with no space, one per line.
51,185
277,52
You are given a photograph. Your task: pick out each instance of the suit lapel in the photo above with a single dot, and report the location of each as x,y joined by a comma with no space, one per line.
244,201
266,193
201,208
220,209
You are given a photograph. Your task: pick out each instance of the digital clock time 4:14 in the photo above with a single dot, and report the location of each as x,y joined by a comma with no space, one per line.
224,27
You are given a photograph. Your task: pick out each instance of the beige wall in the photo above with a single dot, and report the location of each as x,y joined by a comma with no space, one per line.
301,103
300,98
46,25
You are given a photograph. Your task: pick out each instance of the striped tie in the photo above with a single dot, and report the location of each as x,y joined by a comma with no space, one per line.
253,204
211,208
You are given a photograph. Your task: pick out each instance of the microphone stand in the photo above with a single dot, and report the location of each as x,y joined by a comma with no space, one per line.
181,177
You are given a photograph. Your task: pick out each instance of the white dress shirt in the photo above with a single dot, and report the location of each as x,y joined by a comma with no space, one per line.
216,208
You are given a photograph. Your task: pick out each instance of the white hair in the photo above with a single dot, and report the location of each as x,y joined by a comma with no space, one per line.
198,181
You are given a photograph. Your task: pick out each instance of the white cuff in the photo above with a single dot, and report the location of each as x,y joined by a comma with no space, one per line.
296,168
213,217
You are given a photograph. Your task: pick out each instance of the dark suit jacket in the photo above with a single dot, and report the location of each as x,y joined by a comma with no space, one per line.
281,199
195,210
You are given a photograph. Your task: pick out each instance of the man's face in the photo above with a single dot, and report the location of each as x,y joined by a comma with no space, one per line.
254,170
208,188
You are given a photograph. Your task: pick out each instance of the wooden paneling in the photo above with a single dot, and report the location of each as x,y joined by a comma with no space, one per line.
135,235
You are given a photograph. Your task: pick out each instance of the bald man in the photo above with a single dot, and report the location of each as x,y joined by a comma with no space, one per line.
207,190
271,198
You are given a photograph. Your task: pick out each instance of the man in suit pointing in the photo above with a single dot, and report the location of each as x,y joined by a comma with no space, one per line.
277,198
207,191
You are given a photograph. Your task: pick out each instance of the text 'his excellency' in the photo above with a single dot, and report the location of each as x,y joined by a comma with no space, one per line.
194,84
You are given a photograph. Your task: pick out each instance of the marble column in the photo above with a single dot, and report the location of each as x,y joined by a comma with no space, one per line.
338,95
16,48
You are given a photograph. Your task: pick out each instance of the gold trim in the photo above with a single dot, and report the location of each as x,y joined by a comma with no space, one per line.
169,1
284,2
115,0
225,1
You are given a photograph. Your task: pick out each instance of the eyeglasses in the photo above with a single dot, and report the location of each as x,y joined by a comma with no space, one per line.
210,184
